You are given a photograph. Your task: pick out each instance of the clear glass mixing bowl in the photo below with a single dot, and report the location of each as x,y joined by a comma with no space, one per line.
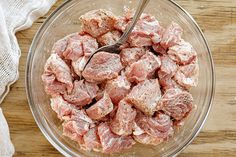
65,20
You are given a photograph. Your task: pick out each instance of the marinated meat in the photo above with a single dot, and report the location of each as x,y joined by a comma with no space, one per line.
111,142
103,66
102,108
131,55
109,38
123,123
176,103
98,22
145,96
91,140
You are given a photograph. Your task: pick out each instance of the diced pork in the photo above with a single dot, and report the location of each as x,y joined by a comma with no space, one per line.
101,108
143,68
131,55
176,103
98,22
111,142
168,66
56,66
159,49
123,123
145,96
103,66
172,35
109,38
182,53
187,76
82,93
167,82
60,46
118,88
61,107
79,64
148,139
80,45
91,140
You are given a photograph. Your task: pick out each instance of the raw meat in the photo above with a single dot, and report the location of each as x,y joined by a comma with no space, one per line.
82,93
102,107
103,66
56,66
148,139
112,143
91,140
145,96
182,53
98,22
172,35
143,68
123,123
159,49
176,103
79,64
187,76
118,88
131,55
109,38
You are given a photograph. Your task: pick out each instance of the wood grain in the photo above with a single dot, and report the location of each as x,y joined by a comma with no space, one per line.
217,19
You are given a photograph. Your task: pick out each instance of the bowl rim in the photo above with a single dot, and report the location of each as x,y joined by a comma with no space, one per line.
54,141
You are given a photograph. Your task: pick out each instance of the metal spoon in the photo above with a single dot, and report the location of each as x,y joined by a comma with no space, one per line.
115,47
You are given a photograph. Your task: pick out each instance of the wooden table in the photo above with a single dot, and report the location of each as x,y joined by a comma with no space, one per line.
217,18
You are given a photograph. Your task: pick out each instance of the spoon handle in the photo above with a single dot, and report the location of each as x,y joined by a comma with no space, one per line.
141,6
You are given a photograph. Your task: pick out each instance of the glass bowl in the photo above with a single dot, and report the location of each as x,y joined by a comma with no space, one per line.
65,20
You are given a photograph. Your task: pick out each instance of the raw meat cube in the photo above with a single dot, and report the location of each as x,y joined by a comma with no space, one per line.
80,45
176,103
60,46
139,39
121,23
167,82
145,96
109,38
172,35
61,107
101,108
77,126
187,76
80,96
159,49
157,126
137,130
168,66
98,22
52,86
118,88
143,68
55,65
111,142
79,64
103,66
148,139
131,55
123,123
91,140
182,53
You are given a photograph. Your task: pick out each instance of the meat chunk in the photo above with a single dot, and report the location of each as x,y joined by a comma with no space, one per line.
123,123
80,45
103,66
176,103
167,82
79,64
157,126
187,76
168,67
101,108
77,126
52,86
148,139
56,66
159,49
98,22
145,96
91,140
109,38
82,93
172,35
61,107
118,88
131,55
111,142
182,53
60,46
143,68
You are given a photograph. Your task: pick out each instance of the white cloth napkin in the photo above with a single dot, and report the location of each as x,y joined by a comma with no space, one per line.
15,15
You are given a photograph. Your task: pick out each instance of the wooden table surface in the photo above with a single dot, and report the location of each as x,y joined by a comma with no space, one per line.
217,18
